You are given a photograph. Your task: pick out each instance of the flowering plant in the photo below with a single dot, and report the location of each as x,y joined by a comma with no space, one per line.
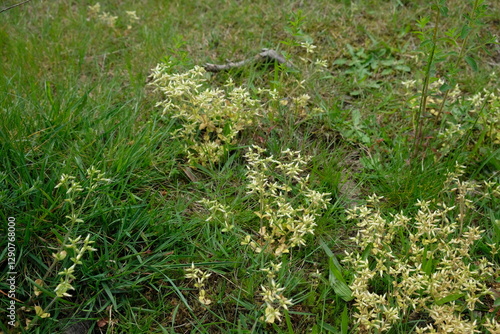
211,119
401,271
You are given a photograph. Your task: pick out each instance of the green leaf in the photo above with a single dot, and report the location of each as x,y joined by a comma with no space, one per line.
497,302
423,22
110,294
444,87
465,31
443,9
341,61
428,266
448,40
48,92
335,277
338,283
388,62
288,322
472,63
327,327
387,71
344,326
449,298
367,252
403,68
426,42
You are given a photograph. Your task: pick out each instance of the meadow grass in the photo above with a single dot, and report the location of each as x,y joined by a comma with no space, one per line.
179,244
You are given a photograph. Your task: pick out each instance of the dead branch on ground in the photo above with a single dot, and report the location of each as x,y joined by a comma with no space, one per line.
266,55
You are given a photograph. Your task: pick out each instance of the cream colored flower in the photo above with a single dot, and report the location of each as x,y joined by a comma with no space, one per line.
132,16
203,298
308,46
272,314
94,10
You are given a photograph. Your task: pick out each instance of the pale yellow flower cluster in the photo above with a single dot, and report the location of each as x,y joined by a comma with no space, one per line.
484,105
216,208
434,99
200,278
286,217
94,12
288,209
310,48
211,118
272,295
429,268
68,273
487,104
73,189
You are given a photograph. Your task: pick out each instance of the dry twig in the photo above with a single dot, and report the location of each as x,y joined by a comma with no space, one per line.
265,56
13,6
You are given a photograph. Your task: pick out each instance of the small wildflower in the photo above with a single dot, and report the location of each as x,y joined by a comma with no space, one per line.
211,119
68,272
415,289
132,16
284,302
62,289
94,10
308,46
216,210
272,314
41,313
37,291
200,277
267,294
321,63
60,255
74,187
286,223
203,298
302,100
74,219
276,267
64,180
409,83
108,19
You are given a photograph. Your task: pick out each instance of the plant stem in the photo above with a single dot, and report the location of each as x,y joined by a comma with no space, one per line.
423,99
70,229
461,54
